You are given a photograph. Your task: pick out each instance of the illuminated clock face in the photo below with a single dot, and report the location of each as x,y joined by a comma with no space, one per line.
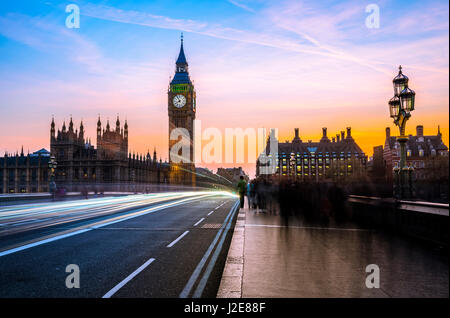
179,101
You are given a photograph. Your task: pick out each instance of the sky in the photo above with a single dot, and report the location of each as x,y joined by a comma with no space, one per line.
255,63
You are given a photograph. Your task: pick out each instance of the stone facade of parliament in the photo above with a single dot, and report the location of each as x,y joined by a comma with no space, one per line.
109,166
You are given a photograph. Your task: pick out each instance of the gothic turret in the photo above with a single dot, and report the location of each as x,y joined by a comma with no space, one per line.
52,129
71,124
99,129
81,135
125,130
118,125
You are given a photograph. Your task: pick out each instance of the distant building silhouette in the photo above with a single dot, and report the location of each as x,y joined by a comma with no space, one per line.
376,166
21,173
232,174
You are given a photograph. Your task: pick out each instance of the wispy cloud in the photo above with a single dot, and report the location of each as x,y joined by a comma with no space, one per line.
309,46
240,5
316,29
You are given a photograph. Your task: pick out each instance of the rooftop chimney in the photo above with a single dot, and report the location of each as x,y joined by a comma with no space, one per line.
337,137
297,137
324,135
342,135
388,132
349,132
419,131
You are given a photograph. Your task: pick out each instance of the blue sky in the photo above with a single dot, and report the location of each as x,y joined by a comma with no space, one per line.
284,64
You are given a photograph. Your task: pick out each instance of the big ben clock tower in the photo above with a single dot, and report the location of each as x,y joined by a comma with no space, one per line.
181,109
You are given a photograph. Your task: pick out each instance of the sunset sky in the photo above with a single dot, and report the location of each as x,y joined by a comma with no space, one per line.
255,63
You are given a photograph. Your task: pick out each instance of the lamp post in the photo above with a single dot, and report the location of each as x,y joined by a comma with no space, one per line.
52,164
400,108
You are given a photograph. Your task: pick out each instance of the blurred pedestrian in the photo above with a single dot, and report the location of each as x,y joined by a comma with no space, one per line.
250,194
242,188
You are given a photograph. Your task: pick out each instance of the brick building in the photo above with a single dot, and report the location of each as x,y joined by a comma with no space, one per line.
423,152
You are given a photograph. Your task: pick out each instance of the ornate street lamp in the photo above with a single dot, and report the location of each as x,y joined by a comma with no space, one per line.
400,108
394,107
52,164
407,99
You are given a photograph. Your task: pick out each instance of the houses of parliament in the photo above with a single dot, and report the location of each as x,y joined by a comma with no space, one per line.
108,166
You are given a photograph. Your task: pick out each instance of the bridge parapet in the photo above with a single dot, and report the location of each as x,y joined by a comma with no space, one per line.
424,220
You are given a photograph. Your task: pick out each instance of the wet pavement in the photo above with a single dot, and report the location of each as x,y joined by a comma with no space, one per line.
303,259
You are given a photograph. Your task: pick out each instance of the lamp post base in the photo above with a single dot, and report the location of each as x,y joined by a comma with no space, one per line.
403,183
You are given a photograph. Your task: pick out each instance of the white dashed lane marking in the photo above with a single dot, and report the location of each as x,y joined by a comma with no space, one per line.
199,221
179,238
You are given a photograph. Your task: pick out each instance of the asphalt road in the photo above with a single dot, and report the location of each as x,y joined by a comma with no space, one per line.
132,246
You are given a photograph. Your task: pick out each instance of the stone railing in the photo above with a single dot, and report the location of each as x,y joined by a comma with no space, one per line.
424,220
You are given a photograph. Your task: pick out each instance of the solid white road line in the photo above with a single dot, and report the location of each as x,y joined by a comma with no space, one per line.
126,280
190,284
199,221
179,238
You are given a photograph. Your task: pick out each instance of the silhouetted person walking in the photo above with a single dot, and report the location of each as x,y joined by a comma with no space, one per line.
241,187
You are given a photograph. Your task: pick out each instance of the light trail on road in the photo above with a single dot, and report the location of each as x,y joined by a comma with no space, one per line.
123,246
32,216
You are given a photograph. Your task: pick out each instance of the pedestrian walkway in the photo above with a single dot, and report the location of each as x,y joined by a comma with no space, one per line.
269,258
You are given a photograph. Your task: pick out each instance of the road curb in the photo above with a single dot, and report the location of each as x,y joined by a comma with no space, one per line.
233,272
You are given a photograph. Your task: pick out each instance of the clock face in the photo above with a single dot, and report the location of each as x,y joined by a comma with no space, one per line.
179,101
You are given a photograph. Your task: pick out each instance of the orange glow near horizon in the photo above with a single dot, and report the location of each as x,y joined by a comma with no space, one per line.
366,134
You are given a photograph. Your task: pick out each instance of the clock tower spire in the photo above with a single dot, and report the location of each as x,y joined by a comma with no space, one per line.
181,111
